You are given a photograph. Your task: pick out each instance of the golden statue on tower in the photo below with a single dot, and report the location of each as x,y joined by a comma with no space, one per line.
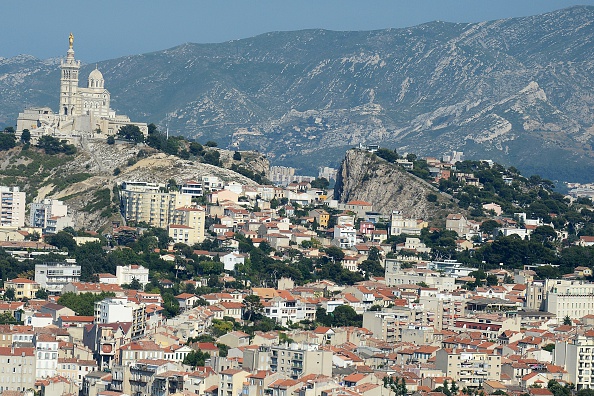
71,40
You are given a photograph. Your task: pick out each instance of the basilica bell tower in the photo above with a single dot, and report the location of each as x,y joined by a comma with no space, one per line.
69,69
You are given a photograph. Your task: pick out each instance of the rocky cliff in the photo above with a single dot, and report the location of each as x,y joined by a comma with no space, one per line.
364,176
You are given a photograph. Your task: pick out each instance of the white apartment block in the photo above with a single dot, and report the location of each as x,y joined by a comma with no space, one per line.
573,298
12,205
401,225
298,360
112,310
345,236
192,188
126,273
53,276
49,210
46,349
577,357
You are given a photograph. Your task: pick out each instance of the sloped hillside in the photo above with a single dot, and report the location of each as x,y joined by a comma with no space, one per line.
86,180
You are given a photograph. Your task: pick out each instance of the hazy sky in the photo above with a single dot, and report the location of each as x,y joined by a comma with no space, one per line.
111,28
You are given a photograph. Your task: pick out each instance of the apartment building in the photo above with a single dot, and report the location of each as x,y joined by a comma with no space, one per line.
53,276
23,288
12,207
231,381
573,298
51,215
17,369
402,225
577,357
469,368
113,310
345,236
395,276
297,360
187,225
145,202
125,274
46,349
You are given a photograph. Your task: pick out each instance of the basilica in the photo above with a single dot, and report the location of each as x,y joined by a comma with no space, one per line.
82,111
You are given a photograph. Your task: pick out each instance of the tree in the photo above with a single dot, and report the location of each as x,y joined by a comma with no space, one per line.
567,321
117,171
7,141
196,358
210,143
41,294
7,318
431,197
492,280
253,306
26,136
559,390
237,156
321,182
135,284
131,133
110,139
488,226
212,157
335,253
397,386
9,294
83,304
152,128
53,146
62,240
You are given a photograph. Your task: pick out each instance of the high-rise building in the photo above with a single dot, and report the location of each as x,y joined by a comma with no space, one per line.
12,204
144,202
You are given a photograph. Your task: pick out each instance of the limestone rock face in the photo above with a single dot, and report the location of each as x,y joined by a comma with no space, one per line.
364,176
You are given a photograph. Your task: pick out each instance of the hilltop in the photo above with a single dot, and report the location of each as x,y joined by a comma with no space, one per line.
86,180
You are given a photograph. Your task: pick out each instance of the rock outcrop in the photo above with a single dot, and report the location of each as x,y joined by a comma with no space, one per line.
364,176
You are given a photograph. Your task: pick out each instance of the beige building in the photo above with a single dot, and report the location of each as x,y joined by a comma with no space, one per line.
144,202
231,381
187,225
23,288
17,368
469,368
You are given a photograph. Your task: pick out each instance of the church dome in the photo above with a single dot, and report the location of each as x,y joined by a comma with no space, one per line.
96,75
95,79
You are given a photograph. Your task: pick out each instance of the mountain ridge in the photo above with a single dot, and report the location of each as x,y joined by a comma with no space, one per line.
516,91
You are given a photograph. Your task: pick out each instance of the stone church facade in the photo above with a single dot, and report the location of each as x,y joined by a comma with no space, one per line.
82,111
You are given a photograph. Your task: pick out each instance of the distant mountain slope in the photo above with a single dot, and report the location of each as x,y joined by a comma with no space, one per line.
518,91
